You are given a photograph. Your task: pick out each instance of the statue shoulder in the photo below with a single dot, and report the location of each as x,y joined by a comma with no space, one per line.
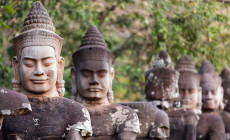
126,118
79,118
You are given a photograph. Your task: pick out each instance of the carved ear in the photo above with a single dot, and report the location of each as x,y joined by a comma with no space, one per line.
16,81
222,96
60,81
199,104
73,92
112,73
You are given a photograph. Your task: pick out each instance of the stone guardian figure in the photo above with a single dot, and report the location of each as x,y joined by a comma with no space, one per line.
212,95
38,70
92,77
190,97
161,89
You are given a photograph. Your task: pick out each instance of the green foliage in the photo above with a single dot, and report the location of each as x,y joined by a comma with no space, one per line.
135,31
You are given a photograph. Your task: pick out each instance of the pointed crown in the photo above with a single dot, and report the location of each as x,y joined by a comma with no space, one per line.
225,74
92,47
37,30
206,67
185,64
162,60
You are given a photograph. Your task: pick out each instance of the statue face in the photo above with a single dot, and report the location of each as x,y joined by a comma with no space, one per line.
211,98
189,97
38,69
161,84
189,91
94,79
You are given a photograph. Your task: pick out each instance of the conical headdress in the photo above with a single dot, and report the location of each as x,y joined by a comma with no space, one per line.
92,47
225,74
185,64
206,67
37,30
160,78
162,60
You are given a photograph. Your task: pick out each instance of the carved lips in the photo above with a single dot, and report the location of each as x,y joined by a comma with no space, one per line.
39,80
94,89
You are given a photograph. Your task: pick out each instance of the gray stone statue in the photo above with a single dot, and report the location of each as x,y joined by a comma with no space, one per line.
225,75
154,123
212,98
162,91
190,97
38,70
92,77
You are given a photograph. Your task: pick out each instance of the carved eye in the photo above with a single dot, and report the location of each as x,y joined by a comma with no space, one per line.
48,64
102,74
85,73
29,65
191,90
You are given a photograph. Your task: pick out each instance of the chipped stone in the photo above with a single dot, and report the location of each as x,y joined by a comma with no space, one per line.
6,112
84,128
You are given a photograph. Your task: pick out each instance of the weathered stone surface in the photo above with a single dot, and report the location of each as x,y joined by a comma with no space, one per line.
38,74
210,127
51,118
189,85
154,123
92,77
163,79
13,103
212,104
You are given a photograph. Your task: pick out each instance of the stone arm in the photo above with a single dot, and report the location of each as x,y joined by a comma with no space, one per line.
126,136
217,131
190,132
80,123
74,135
161,128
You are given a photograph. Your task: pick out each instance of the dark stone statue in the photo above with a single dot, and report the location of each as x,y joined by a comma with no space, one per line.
13,104
162,91
38,70
212,100
225,75
154,123
92,77
190,97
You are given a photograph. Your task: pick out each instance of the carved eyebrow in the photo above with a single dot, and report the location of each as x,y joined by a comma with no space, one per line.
86,70
32,58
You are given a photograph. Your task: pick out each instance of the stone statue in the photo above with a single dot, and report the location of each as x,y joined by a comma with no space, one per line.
190,97
92,77
162,90
212,97
38,69
13,103
189,85
154,123
225,75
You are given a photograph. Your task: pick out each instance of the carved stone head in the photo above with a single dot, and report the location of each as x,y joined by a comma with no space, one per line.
225,75
161,81
212,91
92,74
38,67
189,85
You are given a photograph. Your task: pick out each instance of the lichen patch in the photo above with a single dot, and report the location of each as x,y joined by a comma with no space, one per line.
119,116
132,125
84,128
27,105
6,112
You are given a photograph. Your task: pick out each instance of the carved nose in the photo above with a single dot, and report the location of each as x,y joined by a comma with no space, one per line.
39,70
209,95
94,80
